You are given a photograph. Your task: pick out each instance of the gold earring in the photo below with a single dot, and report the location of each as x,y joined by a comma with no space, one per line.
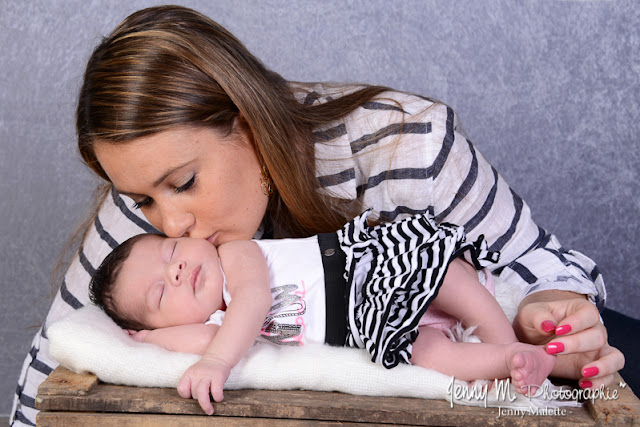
266,183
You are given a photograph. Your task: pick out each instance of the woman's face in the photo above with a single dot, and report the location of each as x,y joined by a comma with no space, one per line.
193,182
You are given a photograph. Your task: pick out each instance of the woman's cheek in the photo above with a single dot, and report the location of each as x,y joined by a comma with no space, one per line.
153,218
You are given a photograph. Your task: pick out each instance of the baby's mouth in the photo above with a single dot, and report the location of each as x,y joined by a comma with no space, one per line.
194,277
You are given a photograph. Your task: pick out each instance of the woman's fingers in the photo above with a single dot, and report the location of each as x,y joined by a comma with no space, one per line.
581,341
601,371
534,323
576,315
596,366
571,329
612,358
544,322
594,383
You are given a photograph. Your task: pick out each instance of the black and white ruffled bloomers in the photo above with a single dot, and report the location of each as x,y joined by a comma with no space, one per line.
393,272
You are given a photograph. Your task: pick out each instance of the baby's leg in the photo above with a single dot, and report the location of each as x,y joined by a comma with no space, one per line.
527,365
463,296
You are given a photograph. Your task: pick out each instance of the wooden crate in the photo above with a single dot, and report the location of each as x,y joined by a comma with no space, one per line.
69,399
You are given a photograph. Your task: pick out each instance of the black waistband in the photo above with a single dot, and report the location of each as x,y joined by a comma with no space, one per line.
336,292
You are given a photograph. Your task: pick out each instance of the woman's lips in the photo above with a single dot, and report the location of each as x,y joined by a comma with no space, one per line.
212,239
194,277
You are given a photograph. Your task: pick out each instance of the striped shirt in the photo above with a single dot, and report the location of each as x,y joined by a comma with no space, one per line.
400,154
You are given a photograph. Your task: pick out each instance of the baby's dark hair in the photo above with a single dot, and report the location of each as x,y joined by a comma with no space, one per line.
103,283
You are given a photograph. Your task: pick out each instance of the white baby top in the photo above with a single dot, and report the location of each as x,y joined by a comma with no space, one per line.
296,276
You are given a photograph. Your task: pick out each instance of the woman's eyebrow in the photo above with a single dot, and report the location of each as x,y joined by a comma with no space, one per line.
128,194
169,172
157,182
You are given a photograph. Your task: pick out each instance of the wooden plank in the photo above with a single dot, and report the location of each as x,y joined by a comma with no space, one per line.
82,419
55,419
63,381
324,406
297,404
620,406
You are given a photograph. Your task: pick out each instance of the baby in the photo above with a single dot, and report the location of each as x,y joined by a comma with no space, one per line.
393,289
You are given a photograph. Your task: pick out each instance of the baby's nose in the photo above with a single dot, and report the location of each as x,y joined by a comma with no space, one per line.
176,270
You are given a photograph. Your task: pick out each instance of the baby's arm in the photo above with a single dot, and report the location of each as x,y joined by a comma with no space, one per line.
194,338
247,276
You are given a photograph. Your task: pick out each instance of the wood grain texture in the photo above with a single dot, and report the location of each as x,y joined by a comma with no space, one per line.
620,410
63,382
83,419
66,398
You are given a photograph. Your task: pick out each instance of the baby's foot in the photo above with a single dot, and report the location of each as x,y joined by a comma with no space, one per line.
528,366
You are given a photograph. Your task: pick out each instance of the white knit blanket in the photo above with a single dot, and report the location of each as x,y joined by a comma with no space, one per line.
87,340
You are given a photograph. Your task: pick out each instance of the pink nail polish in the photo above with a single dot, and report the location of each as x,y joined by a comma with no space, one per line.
590,372
564,329
548,326
555,347
585,384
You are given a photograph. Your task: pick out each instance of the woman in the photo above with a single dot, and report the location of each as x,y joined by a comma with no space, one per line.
175,113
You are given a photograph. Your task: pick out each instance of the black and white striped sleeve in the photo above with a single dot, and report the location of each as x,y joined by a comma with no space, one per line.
469,191
115,223
406,155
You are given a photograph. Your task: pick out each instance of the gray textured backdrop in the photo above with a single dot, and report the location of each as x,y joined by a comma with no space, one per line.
548,90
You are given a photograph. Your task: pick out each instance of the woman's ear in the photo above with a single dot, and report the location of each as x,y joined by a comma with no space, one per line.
242,130
240,123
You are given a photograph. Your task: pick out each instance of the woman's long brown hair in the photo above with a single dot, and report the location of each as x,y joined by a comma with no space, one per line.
170,66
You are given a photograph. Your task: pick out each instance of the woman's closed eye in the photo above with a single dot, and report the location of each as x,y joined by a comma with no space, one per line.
186,185
145,202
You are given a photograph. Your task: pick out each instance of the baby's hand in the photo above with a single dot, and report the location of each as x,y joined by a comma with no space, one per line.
138,336
207,375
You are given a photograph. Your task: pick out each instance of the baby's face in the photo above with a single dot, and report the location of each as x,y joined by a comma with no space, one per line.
169,282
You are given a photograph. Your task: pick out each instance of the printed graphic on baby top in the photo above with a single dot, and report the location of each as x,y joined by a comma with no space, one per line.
284,324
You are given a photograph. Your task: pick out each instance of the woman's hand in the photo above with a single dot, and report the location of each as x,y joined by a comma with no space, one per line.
569,325
207,375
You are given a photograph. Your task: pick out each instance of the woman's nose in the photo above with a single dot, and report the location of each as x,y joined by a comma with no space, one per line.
175,271
177,224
